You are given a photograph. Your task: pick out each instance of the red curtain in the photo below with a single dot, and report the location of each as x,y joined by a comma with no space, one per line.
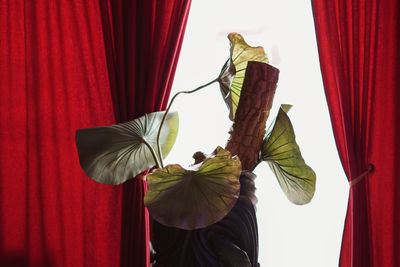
53,80
55,77
359,46
143,40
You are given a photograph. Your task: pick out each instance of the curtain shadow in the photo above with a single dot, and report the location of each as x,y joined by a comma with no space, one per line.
19,258
13,259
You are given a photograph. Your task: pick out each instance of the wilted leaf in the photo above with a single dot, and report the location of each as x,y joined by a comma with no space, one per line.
116,153
280,150
233,72
197,197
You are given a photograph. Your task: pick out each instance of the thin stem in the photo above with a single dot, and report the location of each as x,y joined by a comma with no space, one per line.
153,153
166,113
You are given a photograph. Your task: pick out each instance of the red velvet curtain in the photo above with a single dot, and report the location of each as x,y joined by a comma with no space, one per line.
359,46
55,77
53,80
143,40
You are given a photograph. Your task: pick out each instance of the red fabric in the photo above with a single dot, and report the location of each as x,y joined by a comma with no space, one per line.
358,44
143,40
54,79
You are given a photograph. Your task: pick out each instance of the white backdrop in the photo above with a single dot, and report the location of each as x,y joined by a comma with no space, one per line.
289,235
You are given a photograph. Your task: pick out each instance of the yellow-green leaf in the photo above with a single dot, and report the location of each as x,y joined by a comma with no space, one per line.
196,197
282,153
233,72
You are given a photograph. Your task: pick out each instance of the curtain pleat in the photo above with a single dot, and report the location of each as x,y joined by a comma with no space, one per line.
53,81
67,65
358,43
142,41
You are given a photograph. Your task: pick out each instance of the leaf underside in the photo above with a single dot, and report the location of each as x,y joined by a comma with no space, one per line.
114,154
194,198
283,155
234,71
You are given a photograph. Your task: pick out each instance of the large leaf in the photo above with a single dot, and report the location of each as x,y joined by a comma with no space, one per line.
116,153
233,72
280,150
196,197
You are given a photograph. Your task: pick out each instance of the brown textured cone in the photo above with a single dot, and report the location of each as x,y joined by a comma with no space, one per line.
255,103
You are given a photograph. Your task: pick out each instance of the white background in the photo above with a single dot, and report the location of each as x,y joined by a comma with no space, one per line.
289,235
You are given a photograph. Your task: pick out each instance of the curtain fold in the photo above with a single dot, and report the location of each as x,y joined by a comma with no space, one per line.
358,47
53,81
58,62
143,40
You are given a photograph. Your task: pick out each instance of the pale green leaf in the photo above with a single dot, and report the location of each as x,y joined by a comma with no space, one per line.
113,154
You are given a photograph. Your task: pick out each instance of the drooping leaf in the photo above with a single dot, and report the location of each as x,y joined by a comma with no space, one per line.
286,107
113,154
196,197
233,72
282,153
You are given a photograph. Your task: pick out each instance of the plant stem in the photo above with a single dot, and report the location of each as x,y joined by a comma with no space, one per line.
166,113
153,153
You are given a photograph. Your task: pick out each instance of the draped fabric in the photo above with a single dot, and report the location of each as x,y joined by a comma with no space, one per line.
143,40
359,45
53,80
56,73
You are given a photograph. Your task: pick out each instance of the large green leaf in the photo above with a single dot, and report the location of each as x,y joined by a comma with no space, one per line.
233,72
116,153
196,197
280,150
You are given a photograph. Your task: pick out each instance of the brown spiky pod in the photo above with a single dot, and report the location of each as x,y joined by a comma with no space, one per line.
248,129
